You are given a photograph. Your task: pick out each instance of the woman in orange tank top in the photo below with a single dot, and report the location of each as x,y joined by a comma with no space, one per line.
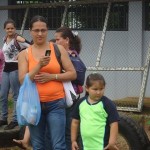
45,71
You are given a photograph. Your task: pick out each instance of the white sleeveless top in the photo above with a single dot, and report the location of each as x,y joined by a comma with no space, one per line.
11,52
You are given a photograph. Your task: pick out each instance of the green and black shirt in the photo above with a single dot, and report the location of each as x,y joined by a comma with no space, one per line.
95,120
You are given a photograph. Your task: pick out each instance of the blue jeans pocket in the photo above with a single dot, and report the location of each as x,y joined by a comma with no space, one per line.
62,103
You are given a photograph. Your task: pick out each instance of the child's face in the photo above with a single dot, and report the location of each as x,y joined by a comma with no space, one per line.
10,29
96,91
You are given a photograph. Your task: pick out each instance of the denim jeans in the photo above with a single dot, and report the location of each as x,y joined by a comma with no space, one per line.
53,121
9,80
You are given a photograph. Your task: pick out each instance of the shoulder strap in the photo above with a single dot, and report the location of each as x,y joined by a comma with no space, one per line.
58,54
4,39
16,42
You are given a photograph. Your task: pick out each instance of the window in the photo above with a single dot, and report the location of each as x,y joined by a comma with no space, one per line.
147,15
118,17
86,17
79,17
19,2
53,15
92,17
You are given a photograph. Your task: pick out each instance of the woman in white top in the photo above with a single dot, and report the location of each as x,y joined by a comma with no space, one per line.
2,61
13,44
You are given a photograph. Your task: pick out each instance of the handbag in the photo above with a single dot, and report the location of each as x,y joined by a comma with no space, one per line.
70,94
28,103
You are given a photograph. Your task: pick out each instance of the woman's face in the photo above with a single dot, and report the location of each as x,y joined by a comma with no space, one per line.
10,29
39,32
61,41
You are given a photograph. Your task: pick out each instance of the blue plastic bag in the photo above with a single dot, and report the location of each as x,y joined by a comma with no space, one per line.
28,103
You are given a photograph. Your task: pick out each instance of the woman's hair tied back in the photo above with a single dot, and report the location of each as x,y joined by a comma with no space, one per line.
75,33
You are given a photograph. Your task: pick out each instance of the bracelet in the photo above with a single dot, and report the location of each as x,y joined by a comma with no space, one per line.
56,76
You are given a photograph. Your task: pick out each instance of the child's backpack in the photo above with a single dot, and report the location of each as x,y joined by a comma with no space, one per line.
79,67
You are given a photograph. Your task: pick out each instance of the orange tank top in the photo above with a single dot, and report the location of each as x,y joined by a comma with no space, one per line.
52,90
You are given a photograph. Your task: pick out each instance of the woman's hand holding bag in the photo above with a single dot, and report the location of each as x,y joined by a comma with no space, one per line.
28,103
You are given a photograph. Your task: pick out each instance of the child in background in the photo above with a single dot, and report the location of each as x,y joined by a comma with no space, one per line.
2,61
97,117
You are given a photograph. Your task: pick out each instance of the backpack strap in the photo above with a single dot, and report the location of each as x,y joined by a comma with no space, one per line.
4,39
16,42
58,55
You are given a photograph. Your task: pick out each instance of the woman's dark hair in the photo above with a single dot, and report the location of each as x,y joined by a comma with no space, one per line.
9,21
36,19
74,40
52,40
94,77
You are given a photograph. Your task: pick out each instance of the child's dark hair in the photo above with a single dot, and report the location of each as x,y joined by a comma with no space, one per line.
36,19
9,20
74,40
94,77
